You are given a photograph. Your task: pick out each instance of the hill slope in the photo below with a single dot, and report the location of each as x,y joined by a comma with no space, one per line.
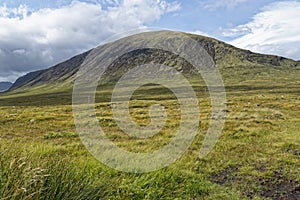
256,157
58,73
240,69
225,56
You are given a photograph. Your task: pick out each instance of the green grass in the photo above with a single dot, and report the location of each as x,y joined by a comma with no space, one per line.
257,156
53,135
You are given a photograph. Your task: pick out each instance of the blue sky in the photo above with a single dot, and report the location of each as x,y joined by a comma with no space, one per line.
36,34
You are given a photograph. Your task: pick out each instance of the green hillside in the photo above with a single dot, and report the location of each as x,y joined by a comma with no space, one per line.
256,157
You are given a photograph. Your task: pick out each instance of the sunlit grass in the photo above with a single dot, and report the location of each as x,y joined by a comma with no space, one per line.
257,156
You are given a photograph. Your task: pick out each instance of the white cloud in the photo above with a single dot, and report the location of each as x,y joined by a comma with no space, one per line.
198,32
236,32
275,30
214,4
31,40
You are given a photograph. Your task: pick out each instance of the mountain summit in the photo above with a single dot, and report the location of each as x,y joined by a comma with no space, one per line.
229,59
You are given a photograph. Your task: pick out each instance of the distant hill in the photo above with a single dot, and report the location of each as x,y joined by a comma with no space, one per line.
229,59
5,86
58,73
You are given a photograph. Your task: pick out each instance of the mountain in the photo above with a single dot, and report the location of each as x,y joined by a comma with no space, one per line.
229,59
5,86
58,73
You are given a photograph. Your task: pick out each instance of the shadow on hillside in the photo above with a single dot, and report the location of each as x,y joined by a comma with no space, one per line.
65,97
48,99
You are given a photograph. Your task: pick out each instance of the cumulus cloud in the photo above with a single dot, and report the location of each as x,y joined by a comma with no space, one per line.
213,4
35,39
275,30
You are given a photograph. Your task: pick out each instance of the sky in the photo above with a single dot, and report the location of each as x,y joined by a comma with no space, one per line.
36,34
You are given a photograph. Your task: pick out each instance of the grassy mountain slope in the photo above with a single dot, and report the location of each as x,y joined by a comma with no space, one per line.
58,73
225,56
236,66
257,156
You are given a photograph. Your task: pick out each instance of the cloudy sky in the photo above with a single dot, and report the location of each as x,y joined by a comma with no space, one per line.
35,34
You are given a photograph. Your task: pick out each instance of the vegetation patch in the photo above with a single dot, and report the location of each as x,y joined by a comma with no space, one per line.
53,135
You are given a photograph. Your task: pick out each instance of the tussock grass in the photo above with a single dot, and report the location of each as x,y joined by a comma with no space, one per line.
27,176
257,156
59,135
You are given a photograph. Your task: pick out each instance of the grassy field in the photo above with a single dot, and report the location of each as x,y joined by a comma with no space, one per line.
257,156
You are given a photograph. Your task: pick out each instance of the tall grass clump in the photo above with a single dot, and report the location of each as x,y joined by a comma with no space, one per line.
22,178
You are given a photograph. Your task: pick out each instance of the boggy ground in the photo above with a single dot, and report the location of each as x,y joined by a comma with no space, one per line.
257,156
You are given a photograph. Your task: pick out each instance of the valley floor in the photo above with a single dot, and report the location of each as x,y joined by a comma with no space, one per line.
257,156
